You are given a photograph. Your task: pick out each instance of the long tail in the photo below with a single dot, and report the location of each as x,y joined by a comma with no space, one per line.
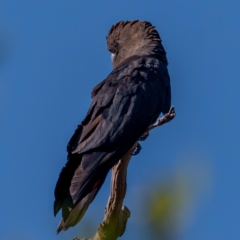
75,215
76,188
64,182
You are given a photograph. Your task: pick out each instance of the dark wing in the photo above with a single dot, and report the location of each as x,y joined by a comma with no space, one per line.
123,106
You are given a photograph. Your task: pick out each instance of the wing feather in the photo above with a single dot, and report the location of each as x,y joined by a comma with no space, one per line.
137,95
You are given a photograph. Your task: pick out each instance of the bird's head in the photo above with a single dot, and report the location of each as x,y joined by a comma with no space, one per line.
129,38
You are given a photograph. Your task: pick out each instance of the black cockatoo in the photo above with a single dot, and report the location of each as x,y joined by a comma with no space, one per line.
124,105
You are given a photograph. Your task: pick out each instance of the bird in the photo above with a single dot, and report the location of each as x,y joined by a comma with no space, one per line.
123,106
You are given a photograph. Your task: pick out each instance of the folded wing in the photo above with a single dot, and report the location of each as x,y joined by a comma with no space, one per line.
123,106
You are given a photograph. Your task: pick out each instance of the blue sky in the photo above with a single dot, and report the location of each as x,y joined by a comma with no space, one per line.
52,53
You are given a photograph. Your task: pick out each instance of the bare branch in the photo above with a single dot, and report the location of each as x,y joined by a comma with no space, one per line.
116,216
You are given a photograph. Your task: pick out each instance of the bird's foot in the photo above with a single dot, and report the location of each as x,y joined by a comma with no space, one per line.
137,150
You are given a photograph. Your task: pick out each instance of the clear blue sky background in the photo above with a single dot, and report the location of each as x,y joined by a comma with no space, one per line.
54,52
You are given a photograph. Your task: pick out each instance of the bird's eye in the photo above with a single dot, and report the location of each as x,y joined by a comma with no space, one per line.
116,44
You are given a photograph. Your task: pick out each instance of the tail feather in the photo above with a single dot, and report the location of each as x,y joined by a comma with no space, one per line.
78,184
75,214
64,182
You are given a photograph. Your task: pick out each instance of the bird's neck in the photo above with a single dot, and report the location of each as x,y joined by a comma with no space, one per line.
153,49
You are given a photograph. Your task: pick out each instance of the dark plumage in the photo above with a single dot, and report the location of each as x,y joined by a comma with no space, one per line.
124,105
